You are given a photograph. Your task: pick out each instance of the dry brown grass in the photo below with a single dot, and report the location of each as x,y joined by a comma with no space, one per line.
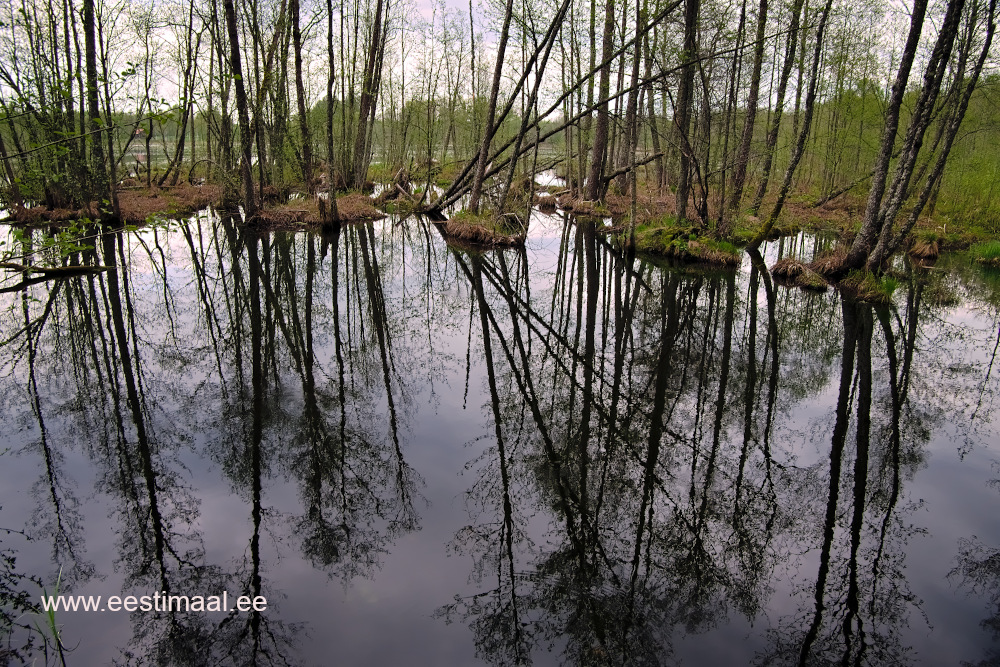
545,203
793,272
139,204
305,213
787,269
925,249
582,206
357,207
831,264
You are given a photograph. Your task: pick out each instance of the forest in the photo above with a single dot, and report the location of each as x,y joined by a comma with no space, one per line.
501,332
724,121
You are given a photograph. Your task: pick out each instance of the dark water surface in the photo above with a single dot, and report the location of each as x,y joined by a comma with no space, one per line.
424,456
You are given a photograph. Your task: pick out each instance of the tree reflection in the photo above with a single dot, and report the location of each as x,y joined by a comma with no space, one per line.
668,451
116,369
636,548
670,504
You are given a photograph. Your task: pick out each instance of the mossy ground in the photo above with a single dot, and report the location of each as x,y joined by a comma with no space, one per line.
664,238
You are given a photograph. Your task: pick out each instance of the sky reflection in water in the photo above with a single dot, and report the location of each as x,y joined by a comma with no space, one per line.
425,455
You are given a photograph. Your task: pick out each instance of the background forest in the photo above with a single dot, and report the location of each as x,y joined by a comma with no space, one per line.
716,112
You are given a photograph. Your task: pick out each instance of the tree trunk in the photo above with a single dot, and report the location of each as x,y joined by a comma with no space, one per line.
367,104
300,92
99,186
595,176
743,151
779,105
880,212
685,98
885,248
799,147
242,109
484,147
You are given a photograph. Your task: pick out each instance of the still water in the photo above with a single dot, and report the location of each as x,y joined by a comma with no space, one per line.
423,455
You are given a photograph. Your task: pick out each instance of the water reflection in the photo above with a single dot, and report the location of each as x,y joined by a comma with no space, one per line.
665,453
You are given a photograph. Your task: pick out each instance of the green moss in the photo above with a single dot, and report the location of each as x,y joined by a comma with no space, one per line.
682,243
469,217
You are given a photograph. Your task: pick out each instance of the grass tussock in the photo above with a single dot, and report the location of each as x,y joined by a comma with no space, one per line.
357,207
830,265
305,213
793,272
870,287
545,203
925,247
137,204
987,253
583,207
483,230
140,204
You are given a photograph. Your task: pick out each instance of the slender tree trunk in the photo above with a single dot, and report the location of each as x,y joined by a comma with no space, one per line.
685,99
242,109
596,173
300,92
99,186
654,129
885,248
488,130
547,44
880,212
187,90
743,150
367,104
799,147
330,169
631,141
772,136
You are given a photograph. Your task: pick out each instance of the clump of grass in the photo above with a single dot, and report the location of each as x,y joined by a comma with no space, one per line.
870,287
357,206
987,253
546,203
583,207
793,272
926,246
483,229
831,264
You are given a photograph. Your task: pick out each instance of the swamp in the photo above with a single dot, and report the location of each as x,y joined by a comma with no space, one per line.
552,332
558,454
